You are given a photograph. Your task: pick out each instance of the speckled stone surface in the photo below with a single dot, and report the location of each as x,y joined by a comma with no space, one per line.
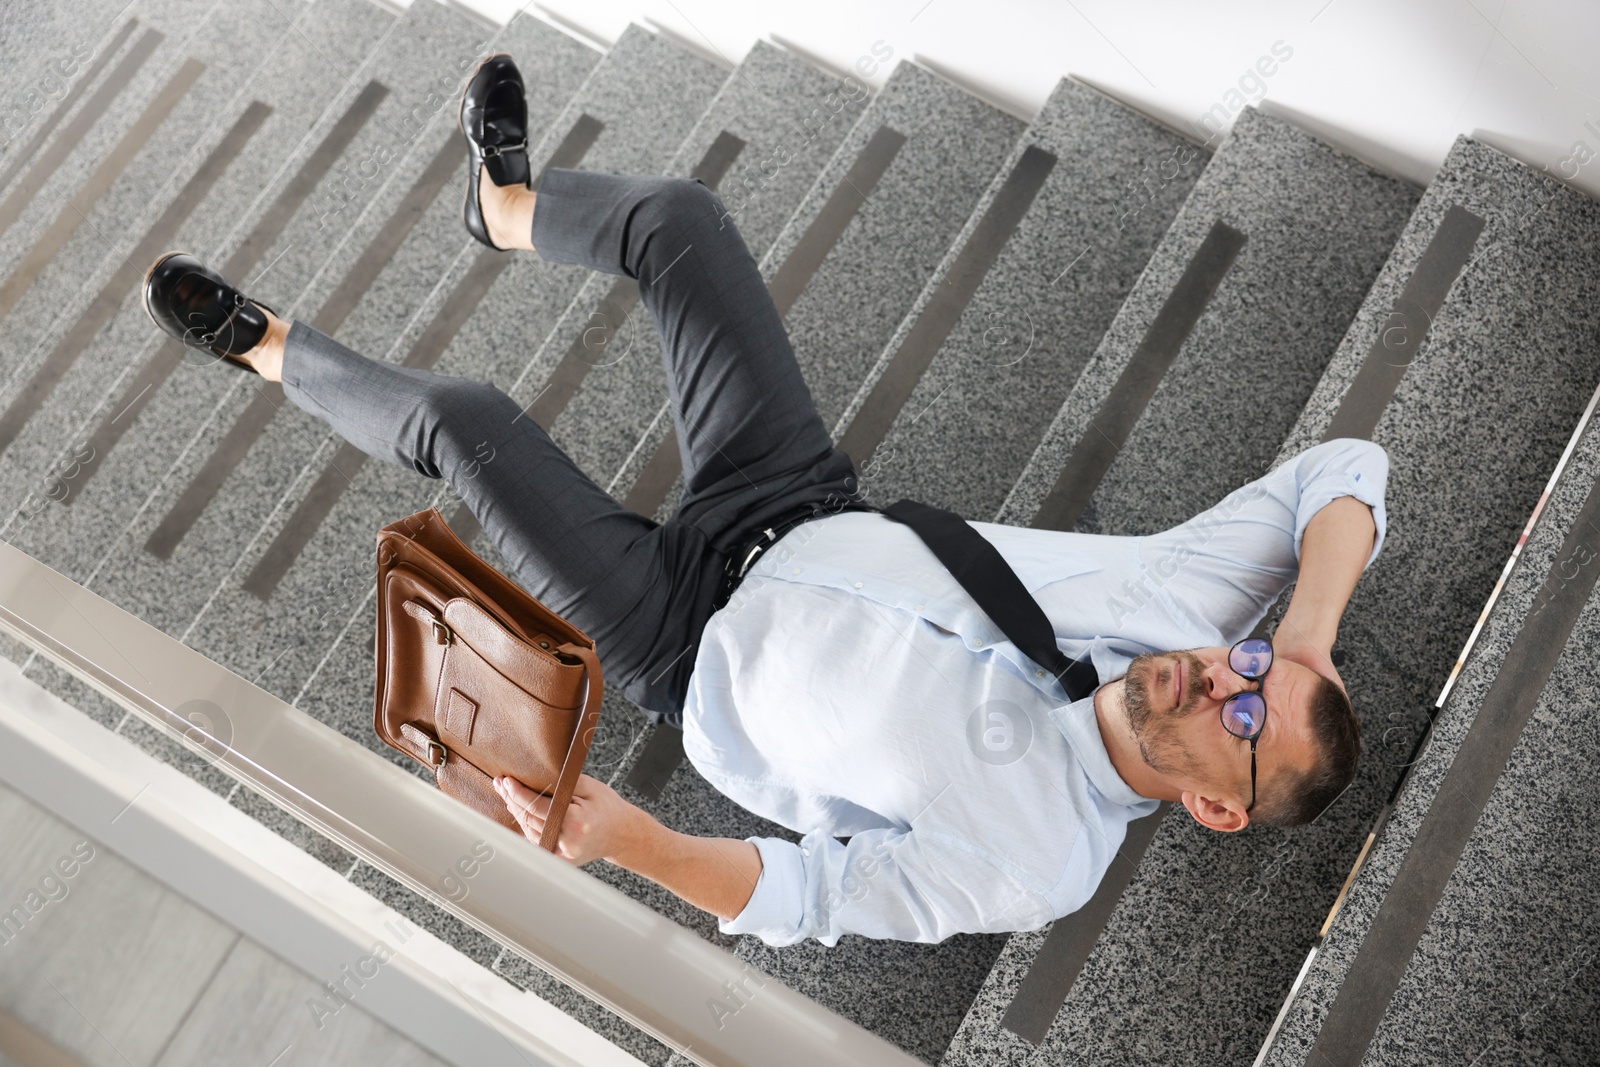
1181,974
1262,343
186,418
233,42
975,417
79,540
1506,969
955,144
1519,852
780,106
1538,265
41,38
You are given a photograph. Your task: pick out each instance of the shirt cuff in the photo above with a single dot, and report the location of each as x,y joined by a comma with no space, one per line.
775,912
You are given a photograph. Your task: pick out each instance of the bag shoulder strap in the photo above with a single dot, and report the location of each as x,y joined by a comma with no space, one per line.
986,576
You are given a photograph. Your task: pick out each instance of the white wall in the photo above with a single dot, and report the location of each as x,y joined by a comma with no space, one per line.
1392,81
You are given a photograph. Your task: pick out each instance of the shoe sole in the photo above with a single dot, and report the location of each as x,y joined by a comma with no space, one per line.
461,106
144,288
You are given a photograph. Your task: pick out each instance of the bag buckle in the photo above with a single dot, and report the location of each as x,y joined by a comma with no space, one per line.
444,754
441,631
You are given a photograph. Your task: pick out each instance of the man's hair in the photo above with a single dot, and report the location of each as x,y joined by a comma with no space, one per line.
1299,798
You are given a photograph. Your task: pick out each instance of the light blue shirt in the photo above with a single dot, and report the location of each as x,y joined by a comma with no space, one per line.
851,688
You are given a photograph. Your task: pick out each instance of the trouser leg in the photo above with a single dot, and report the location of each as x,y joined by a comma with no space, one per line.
751,441
617,575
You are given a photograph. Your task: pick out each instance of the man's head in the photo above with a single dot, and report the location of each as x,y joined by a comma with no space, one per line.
1306,753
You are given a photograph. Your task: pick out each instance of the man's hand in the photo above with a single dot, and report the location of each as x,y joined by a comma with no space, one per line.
597,825
717,874
1290,644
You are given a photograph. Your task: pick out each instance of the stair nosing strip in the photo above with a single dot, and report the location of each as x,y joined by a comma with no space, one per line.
268,228
75,209
1442,262
105,304
73,132
835,215
955,291
1160,347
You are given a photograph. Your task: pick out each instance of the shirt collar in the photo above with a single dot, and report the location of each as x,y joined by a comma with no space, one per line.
1077,722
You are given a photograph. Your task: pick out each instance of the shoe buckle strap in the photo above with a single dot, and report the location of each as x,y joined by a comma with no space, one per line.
490,151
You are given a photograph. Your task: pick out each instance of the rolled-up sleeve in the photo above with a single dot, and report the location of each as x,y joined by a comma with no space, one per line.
1248,544
1346,466
905,885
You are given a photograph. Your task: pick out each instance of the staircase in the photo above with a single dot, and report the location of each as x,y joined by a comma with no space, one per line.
1086,321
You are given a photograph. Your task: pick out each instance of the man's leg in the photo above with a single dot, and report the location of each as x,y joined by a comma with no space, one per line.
751,441
617,575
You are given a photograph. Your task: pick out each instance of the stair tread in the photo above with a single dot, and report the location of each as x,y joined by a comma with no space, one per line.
966,431
74,539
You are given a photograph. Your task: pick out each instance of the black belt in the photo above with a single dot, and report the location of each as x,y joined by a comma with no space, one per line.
740,562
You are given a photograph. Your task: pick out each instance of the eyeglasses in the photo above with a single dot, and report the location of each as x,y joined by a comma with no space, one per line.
1245,714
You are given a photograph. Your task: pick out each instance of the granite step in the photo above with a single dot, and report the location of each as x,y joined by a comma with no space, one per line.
212,130
114,513
1239,291
1497,808
1473,420
176,111
81,539
53,50
964,391
1472,433
107,67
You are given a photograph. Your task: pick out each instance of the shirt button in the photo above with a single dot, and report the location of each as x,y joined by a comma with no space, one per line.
917,608
796,570
1040,673
858,585
976,643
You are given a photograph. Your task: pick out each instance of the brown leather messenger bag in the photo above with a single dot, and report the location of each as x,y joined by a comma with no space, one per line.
477,679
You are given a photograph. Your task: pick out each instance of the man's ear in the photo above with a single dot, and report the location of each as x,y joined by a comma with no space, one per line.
1222,815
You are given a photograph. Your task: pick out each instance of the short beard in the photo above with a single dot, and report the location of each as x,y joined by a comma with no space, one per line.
1155,733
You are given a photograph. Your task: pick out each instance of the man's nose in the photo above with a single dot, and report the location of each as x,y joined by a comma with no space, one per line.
1223,682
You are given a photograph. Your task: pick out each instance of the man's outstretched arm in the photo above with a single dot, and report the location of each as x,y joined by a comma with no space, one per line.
1333,552
715,874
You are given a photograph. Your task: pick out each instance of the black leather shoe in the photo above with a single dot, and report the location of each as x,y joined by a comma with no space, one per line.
494,117
193,303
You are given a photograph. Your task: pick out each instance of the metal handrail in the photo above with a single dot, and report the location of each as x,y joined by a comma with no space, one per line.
693,996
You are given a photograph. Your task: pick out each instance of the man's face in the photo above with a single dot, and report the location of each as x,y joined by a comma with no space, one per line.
1173,701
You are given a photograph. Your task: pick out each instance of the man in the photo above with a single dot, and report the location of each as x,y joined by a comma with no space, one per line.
850,686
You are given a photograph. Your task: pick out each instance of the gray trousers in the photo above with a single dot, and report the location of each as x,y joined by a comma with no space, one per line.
750,439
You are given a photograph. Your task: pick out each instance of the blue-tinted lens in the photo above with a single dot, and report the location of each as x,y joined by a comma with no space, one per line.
1243,714
1251,657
